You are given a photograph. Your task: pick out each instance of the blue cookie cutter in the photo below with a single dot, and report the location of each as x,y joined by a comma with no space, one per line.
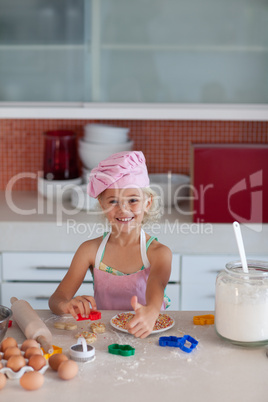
178,342
188,338
170,341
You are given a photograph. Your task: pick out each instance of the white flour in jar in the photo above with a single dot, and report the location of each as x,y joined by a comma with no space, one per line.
241,312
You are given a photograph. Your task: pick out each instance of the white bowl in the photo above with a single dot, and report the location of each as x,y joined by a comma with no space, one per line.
81,200
172,188
104,134
91,154
5,317
85,175
57,189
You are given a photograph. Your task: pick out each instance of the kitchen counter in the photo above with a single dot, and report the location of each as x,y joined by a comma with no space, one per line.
215,371
31,223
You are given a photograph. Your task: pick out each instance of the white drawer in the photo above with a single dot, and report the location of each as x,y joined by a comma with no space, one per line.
194,297
198,279
37,294
36,266
173,292
175,268
52,267
203,269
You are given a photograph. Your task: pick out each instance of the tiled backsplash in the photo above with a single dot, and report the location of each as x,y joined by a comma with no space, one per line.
166,144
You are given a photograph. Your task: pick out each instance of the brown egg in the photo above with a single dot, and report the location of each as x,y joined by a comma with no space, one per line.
37,362
55,360
29,343
13,351
32,380
8,343
15,363
68,370
32,351
3,380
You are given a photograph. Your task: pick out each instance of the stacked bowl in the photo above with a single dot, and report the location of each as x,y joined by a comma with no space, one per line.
99,142
5,316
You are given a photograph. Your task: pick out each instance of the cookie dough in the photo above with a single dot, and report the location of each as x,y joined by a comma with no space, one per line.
69,326
90,337
59,325
98,327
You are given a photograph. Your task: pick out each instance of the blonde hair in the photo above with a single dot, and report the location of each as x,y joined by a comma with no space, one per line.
156,210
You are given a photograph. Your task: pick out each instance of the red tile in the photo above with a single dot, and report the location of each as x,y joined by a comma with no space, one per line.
166,144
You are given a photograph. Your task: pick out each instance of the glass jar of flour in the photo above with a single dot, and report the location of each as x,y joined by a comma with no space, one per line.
241,303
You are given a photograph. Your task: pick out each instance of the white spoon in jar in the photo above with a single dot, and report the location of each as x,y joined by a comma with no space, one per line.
241,248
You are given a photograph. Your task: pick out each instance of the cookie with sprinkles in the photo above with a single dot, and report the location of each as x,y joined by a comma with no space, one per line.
163,322
90,337
98,327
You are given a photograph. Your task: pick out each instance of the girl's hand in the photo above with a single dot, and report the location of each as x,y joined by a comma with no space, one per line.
143,323
79,305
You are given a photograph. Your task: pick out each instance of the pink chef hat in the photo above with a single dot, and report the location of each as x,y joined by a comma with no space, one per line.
122,170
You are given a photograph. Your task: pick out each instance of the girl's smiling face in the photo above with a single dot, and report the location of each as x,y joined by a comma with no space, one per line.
124,208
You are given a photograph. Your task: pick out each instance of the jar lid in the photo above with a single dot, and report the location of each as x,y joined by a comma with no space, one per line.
256,269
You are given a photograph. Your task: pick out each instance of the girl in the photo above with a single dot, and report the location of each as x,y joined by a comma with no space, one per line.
130,269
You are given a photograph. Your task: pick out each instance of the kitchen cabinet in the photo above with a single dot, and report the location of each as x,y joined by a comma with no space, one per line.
173,287
37,293
37,249
75,53
43,51
198,276
35,276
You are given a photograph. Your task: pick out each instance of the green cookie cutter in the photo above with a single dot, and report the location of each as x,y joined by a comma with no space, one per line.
122,350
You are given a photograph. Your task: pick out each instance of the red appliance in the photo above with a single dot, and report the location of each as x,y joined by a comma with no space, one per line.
229,182
60,155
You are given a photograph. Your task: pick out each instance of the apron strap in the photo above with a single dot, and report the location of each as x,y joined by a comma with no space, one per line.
144,257
101,249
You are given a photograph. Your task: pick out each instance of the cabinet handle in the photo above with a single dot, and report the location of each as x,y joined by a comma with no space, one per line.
215,271
41,297
51,268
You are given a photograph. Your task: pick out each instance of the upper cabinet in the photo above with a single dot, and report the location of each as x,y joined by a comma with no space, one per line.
175,52
43,51
185,51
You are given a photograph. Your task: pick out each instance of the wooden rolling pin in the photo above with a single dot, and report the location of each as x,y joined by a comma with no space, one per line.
31,324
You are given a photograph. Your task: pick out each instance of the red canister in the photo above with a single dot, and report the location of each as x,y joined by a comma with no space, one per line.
60,155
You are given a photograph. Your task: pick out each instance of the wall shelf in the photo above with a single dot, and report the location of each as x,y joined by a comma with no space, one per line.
133,111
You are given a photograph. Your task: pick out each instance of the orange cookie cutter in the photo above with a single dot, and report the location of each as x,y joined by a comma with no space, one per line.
56,349
206,319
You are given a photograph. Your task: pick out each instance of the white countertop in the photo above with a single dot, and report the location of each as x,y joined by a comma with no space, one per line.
30,223
215,371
